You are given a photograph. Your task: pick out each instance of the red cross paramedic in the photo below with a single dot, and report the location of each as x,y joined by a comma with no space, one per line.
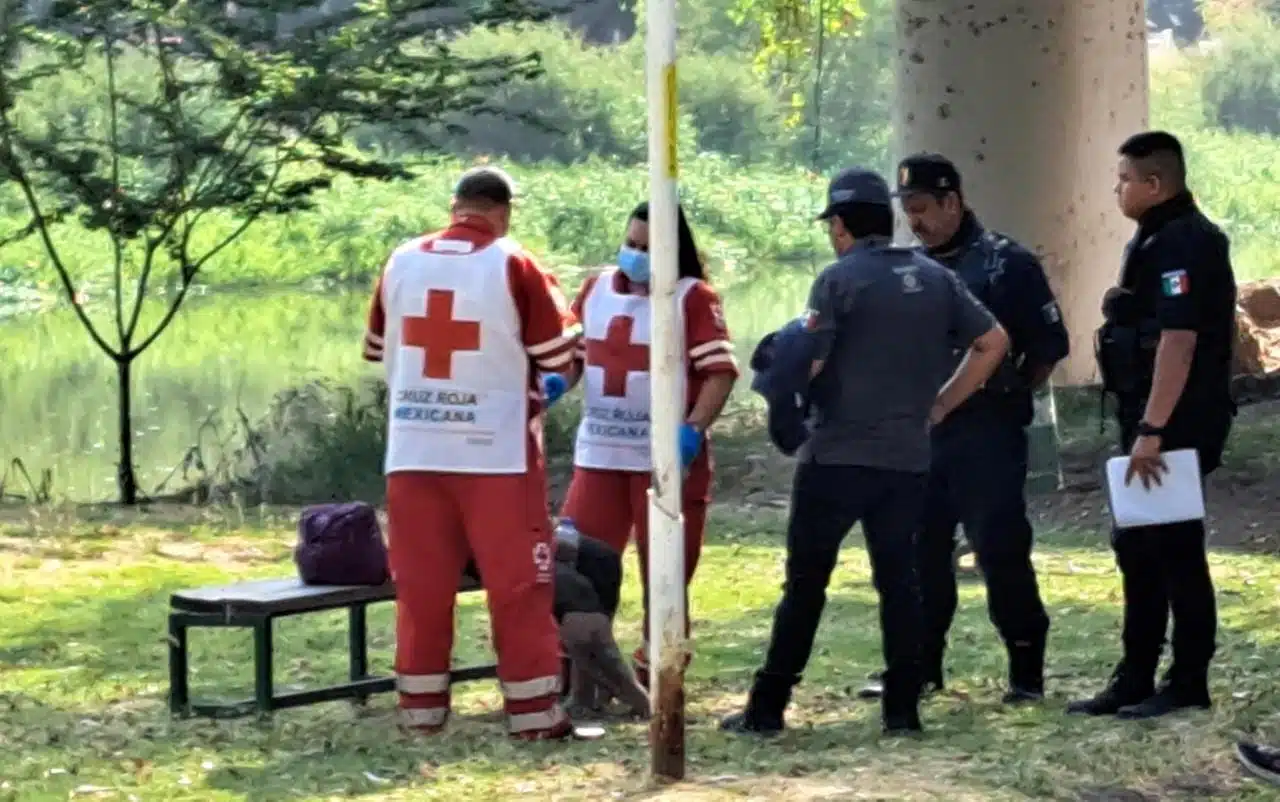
607,497
463,321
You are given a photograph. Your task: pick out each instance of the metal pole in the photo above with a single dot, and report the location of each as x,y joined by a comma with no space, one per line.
666,373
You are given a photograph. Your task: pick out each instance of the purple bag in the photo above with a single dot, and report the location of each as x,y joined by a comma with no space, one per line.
341,544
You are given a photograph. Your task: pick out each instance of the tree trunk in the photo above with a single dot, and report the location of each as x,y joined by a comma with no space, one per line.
126,482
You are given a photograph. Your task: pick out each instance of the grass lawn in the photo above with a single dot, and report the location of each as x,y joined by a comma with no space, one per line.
83,682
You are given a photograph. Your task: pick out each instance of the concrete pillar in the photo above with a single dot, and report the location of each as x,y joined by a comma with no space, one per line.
1031,98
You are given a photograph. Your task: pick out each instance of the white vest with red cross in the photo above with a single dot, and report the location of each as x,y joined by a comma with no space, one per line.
614,432
457,370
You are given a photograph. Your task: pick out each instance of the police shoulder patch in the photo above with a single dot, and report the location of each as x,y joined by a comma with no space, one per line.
1052,314
1175,283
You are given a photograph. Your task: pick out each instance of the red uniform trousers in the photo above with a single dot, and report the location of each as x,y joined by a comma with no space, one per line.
437,521
612,505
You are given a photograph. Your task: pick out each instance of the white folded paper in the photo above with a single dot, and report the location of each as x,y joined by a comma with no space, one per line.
1178,497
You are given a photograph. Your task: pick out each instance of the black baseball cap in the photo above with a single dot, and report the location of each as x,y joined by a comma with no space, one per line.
485,184
855,185
927,172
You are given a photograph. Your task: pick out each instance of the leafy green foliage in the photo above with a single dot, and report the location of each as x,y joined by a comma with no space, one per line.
1242,84
221,113
205,111
788,30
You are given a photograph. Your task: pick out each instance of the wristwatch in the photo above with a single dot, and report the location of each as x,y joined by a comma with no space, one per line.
1147,430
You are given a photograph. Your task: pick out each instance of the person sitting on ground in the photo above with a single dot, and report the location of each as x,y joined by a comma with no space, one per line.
588,584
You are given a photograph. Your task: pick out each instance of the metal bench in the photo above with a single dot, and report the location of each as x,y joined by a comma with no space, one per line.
256,605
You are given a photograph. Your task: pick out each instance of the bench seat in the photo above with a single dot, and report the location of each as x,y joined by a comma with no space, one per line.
255,605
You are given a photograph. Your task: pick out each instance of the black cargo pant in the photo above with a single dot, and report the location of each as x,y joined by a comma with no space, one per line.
1166,571
826,502
978,479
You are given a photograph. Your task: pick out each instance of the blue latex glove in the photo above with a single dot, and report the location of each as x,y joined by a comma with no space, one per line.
690,444
553,387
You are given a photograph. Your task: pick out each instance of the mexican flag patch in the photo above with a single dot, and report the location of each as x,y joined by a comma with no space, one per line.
1175,283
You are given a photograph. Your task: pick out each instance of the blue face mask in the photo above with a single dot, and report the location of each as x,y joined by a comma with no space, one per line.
634,264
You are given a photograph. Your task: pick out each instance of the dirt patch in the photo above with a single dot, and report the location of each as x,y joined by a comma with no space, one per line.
1258,328
1114,795
865,784
1243,495
1244,499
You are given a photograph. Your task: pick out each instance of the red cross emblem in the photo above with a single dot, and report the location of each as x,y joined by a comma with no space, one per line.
618,356
439,335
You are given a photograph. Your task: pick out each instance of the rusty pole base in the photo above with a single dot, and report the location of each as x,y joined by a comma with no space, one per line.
666,728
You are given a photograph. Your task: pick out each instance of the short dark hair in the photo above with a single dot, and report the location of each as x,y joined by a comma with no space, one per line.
485,185
1159,154
866,219
690,262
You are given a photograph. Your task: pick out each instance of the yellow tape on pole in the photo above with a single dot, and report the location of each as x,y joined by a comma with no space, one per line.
673,124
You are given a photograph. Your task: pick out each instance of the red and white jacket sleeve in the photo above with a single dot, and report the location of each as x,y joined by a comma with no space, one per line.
376,328
710,349
579,303
548,327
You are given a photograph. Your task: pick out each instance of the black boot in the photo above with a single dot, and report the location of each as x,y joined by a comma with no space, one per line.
933,683
1127,687
901,719
766,704
900,714
1026,673
873,689
1178,691
900,703
1262,761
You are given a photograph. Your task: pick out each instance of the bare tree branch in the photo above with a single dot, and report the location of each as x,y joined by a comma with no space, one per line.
16,172
113,126
189,274
205,114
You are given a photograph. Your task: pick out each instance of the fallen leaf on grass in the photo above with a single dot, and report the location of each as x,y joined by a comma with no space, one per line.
141,769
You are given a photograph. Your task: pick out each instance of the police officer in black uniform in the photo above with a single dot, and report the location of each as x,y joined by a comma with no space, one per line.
883,322
978,474
1164,352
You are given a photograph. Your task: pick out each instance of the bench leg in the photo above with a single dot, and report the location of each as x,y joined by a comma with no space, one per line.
179,693
263,658
358,646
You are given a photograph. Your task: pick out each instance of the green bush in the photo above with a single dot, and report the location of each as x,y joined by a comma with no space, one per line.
732,111
1242,80
570,216
590,102
325,441
856,109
